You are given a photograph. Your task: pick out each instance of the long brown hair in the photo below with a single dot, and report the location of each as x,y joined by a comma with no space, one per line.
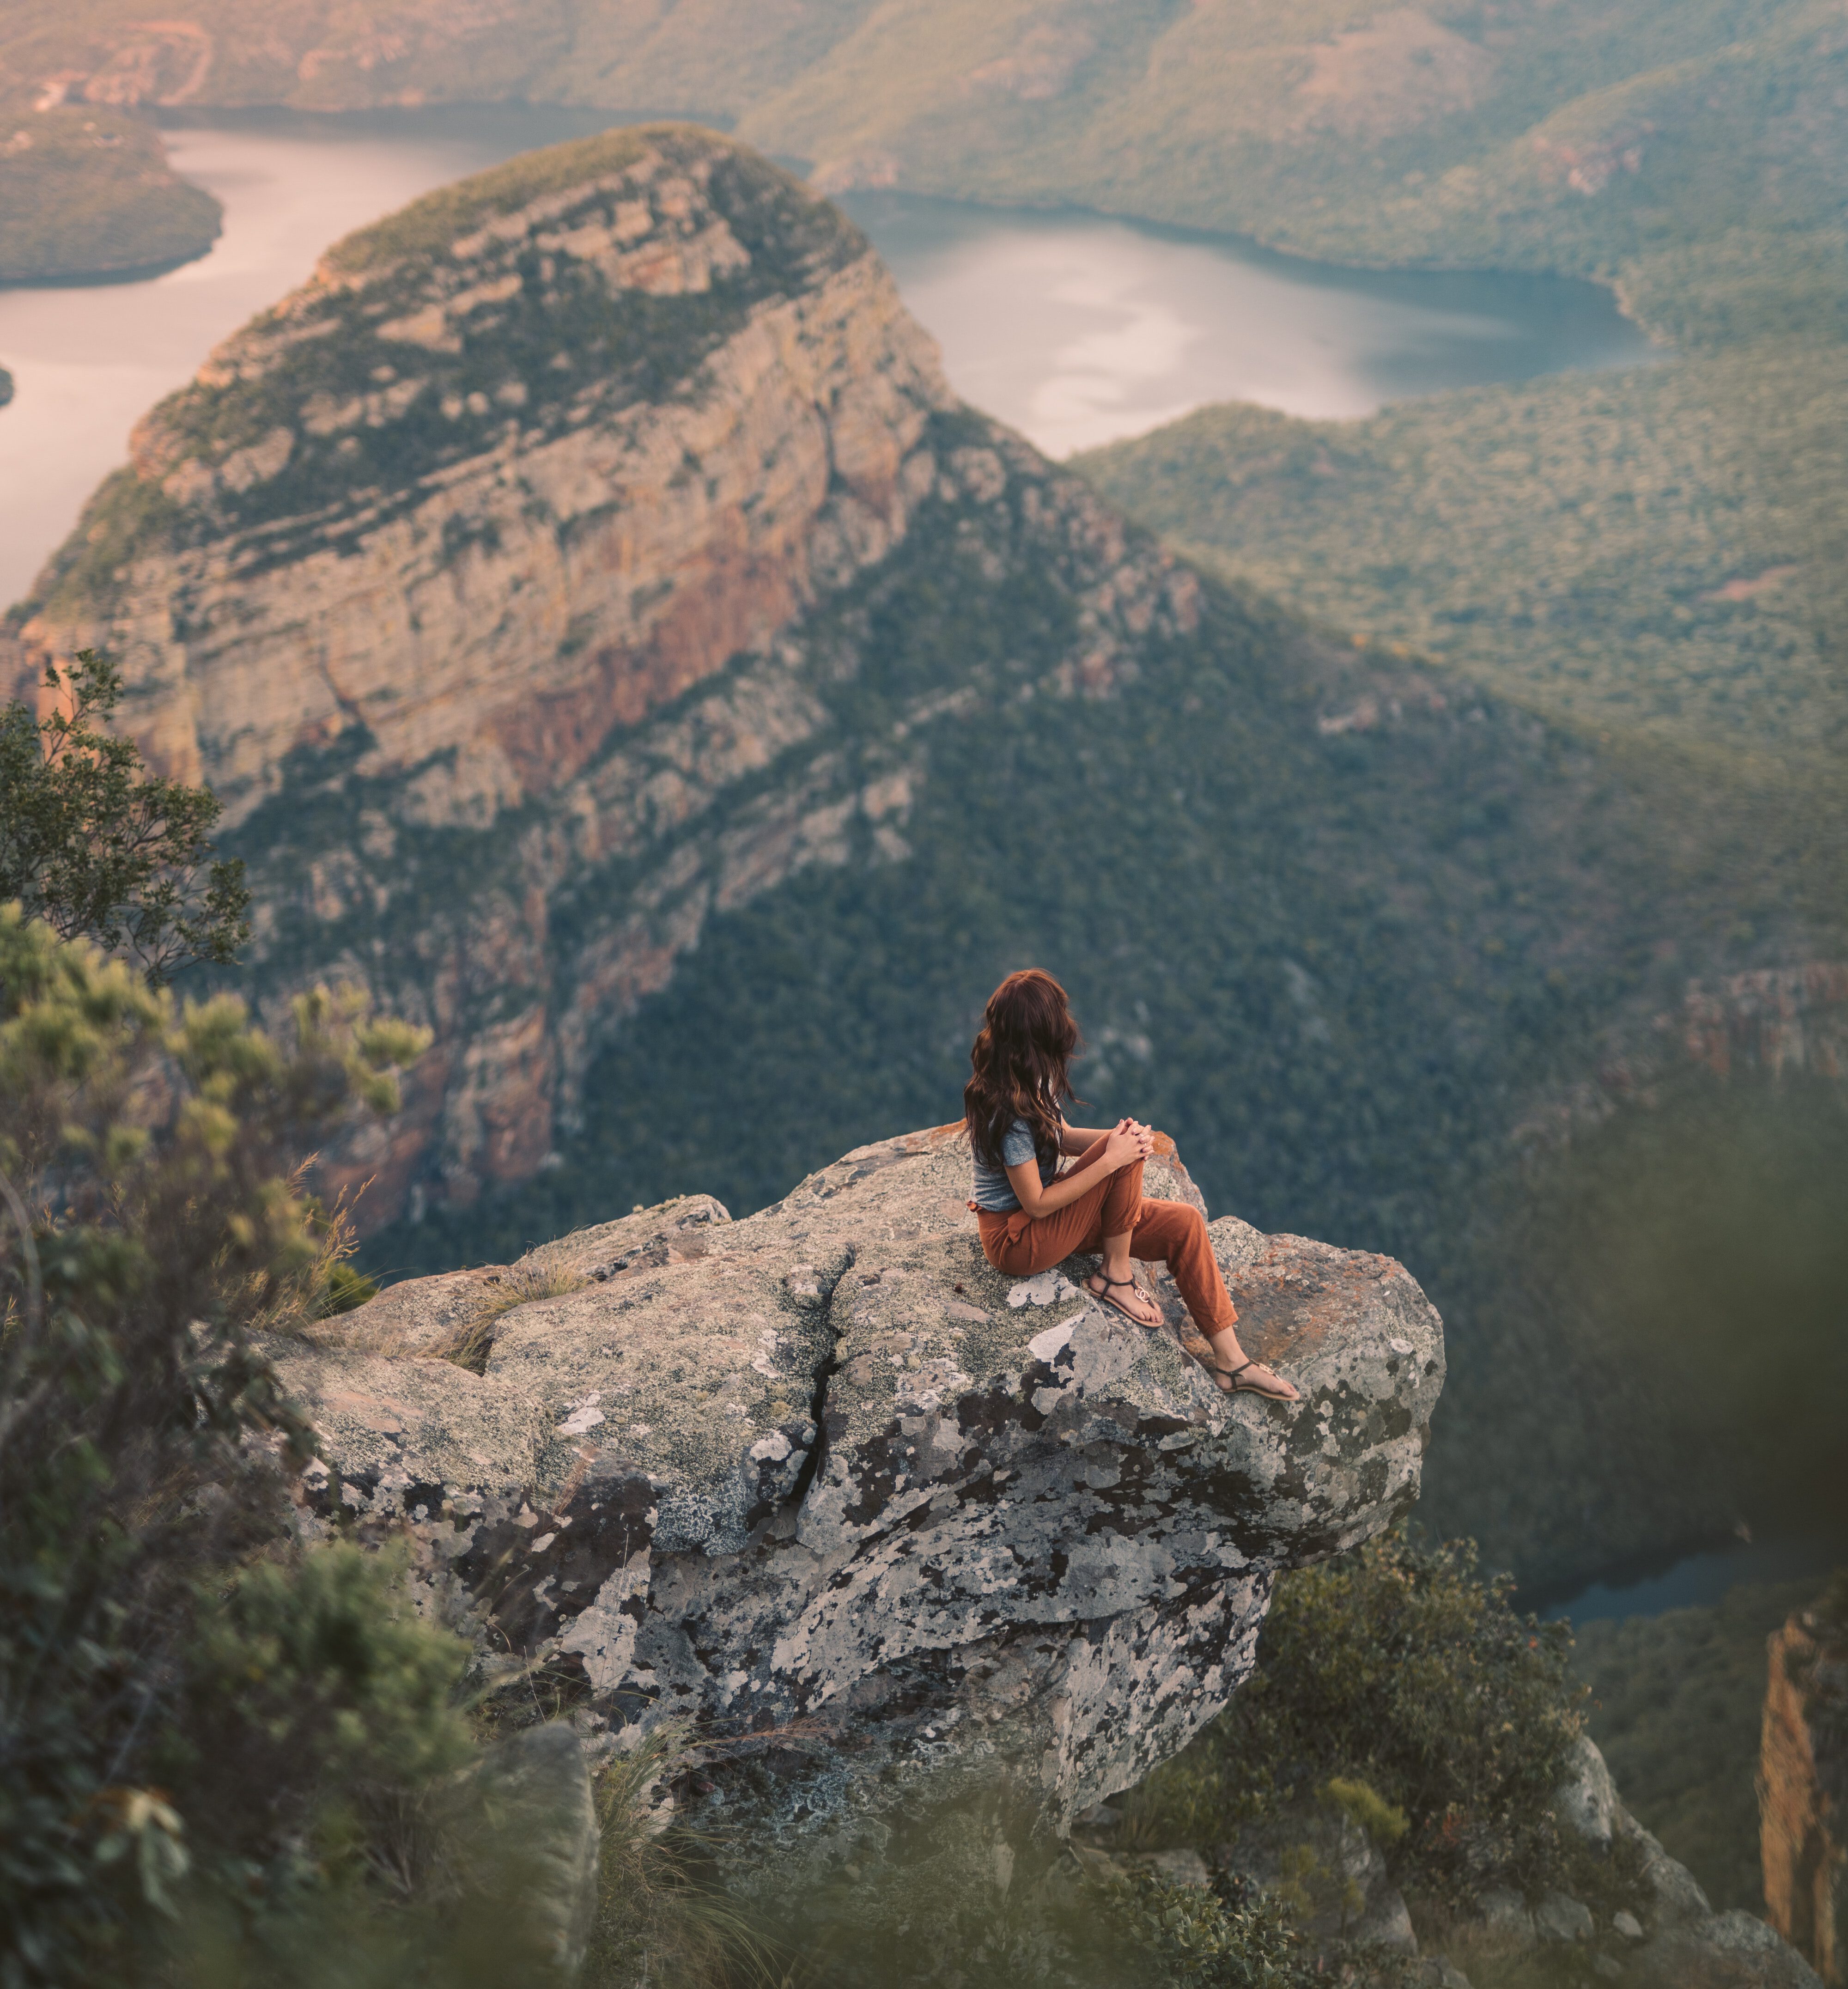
1022,1064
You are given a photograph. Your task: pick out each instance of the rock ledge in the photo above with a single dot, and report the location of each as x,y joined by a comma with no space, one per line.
894,1536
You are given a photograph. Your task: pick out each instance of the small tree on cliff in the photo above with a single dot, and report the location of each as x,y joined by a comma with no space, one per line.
151,1223
101,849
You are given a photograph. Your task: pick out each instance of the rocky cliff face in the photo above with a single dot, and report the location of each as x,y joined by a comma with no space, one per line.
925,1557
484,579
517,469
1803,1788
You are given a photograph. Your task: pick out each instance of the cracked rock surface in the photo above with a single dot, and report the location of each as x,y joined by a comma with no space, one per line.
928,1559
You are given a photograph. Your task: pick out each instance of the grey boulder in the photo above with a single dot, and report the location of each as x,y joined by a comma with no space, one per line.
1586,1801
1690,1946
904,1546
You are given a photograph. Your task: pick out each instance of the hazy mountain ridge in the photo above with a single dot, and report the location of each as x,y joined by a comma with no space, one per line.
1574,136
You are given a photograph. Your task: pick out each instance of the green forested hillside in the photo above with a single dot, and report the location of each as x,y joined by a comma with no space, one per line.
84,189
1658,551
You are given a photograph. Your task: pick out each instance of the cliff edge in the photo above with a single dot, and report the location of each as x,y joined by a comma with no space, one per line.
1803,1784
902,1545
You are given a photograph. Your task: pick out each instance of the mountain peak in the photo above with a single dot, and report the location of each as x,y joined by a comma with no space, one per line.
518,464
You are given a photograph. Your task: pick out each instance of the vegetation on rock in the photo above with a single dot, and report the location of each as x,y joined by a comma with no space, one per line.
1397,1683
86,192
101,849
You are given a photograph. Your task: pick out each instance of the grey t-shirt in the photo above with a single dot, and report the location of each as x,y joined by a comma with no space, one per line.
993,1189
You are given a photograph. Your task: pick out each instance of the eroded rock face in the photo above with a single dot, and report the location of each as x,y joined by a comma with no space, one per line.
1803,1789
902,1540
1681,1942
517,467
502,582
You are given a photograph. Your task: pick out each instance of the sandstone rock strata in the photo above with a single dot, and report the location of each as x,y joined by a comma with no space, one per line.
516,467
509,582
917,1553
1803,1788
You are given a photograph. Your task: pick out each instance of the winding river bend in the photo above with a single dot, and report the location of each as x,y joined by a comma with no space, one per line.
1075,329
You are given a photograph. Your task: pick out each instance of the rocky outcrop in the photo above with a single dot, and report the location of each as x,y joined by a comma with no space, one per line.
502,581
1676,1940
922,1558
1803,1788
1688,1945
517,468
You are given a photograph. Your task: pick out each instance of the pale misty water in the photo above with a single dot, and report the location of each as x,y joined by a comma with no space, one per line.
1077,330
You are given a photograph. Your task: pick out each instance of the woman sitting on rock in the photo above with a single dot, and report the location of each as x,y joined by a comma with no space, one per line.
1032,1217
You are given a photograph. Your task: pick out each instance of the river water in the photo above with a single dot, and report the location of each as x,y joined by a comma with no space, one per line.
1076,330
1700,1580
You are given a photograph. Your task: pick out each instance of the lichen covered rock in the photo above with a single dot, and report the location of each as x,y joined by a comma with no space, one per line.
1681,1942
908,1538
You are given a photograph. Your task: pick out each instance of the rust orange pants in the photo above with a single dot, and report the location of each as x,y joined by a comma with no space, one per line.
1173,1233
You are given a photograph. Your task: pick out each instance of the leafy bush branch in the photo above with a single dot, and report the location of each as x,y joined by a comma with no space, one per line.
102,850
150,1215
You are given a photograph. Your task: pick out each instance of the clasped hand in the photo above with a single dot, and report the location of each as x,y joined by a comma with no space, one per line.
1129,1141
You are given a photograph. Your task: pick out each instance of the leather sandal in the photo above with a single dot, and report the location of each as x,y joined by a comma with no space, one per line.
1117,1305
1238,1387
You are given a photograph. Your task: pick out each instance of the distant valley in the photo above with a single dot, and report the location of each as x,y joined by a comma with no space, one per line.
622,644
1577,136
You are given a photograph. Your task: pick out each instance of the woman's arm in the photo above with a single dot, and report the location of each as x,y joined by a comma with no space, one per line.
1121,1147
1076,1139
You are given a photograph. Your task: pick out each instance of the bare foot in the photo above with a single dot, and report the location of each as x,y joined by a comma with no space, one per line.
1125,1295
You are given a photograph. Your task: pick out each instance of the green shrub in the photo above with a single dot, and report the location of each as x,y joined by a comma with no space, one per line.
92,843
326,1700
346,1290
1399,1684
1193,1938
1365,1806
150,1216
